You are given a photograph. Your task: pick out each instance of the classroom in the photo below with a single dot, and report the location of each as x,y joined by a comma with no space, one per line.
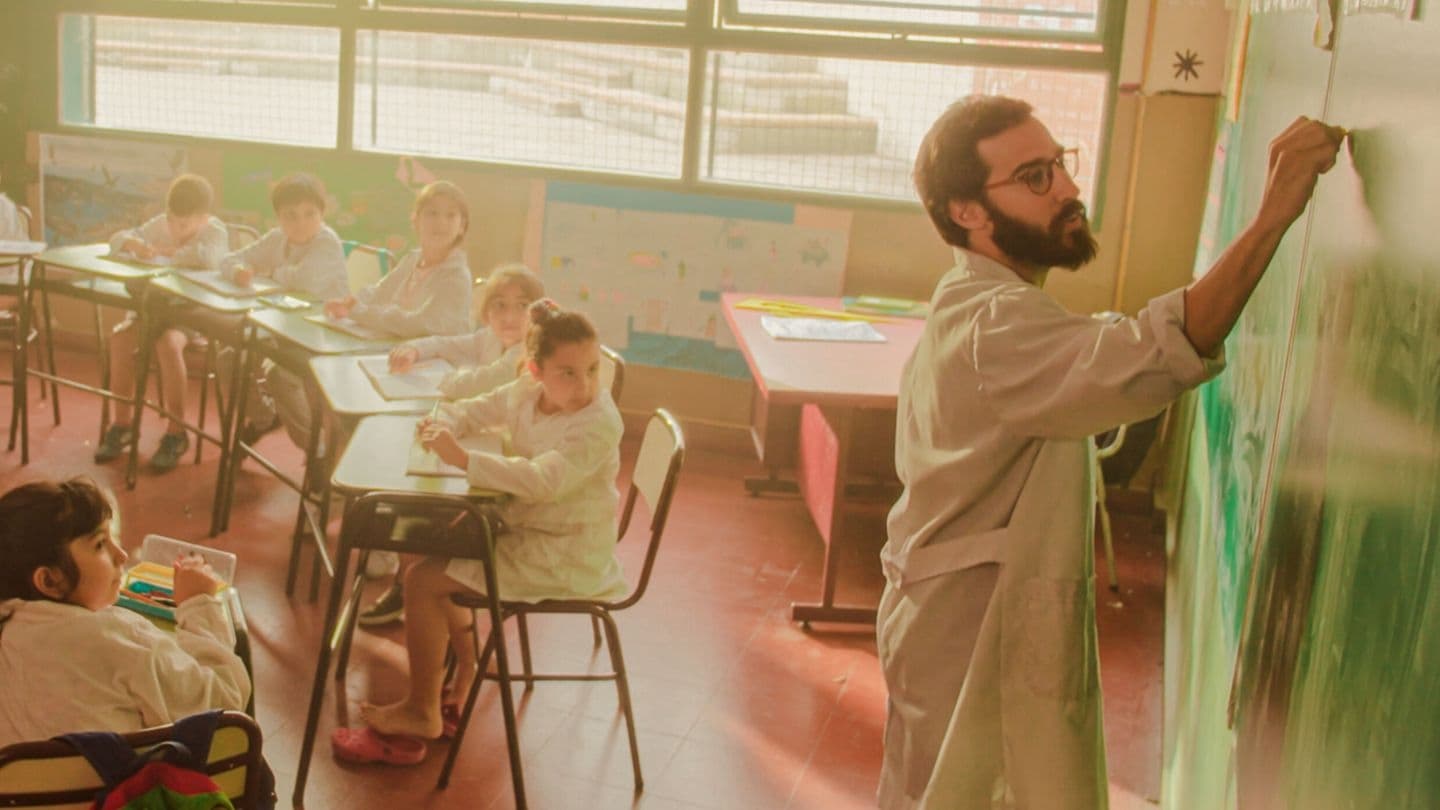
721,404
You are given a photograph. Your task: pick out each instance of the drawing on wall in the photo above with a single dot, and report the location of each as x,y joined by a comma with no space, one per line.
92,187
1186,35
649,266
1187,65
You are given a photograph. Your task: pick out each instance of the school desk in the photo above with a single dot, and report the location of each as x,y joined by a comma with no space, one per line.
85,273
811,397
371,476
18,257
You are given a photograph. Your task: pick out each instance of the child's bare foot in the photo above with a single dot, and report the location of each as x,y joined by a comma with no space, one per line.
464,677
401,718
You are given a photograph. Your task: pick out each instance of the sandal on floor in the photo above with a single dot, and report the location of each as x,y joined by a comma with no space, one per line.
450,720
364,746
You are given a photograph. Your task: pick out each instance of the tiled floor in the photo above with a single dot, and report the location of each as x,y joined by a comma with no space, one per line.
737,707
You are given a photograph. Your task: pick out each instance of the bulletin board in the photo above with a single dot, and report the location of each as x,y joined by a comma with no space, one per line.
648,267
92,187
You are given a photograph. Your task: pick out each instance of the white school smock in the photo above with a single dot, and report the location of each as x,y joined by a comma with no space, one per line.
316,268
12,229
68,668
410,307
482,363
561,470
203,251
997,408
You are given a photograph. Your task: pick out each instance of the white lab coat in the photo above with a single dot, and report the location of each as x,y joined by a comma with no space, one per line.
986,629
67,668
203,251
482,363
407,307
316,268
12,228
561,469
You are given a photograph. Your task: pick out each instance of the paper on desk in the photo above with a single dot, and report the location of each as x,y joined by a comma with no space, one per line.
347,326
12,247
422,381
424,462
154,261
214,281
820,329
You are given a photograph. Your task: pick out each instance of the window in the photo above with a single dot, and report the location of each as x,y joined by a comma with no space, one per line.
822,97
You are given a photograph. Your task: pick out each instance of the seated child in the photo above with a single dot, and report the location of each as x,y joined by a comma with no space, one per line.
428,292
302,255
561,462
70,659
483,361
188,236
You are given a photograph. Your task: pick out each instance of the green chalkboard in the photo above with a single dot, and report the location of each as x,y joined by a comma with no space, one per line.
1309,539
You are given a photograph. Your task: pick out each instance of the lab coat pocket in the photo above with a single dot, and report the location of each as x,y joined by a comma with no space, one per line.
1043,642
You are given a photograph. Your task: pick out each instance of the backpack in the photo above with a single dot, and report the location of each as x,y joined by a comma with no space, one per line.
169,776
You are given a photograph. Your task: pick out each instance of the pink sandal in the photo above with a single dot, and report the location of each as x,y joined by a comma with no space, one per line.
364,746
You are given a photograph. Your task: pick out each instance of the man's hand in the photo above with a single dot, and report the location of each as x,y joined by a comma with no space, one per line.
194,576
438,439
1298,156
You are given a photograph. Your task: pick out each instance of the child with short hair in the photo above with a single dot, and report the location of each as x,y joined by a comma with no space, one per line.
301,254
484,361
560,465
428,292
188,236
70,659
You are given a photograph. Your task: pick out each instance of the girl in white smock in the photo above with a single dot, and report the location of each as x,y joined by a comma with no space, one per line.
560,465
70,659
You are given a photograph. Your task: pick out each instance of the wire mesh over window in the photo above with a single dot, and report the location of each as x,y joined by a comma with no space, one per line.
852,126
598,5
1078,16
576,105
273,83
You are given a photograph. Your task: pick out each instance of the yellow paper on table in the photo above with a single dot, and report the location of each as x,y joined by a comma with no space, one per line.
792,309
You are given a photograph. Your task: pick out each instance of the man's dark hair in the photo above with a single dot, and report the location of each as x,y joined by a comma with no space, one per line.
948,165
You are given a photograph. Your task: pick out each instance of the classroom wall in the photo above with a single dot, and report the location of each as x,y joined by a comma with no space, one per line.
1304,635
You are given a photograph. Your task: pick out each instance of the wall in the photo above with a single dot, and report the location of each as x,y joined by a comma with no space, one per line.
1304,633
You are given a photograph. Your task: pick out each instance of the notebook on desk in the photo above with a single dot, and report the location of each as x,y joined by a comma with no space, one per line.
424,462
820,329
213,280
348,326
422,381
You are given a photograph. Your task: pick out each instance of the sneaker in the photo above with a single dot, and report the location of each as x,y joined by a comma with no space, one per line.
390,607
172,447
116,442
382,564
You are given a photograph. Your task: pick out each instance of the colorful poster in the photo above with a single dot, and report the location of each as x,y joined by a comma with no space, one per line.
92,187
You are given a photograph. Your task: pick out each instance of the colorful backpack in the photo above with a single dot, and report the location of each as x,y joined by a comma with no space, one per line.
169,776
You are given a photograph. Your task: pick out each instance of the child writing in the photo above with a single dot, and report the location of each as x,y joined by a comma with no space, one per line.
484,360
187,236
428,293
302,255
561,462
70,659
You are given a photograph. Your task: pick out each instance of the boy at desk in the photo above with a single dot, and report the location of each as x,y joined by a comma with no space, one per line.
186,235
301,254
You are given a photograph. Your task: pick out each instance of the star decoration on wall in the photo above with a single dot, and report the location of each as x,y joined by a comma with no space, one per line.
1186,64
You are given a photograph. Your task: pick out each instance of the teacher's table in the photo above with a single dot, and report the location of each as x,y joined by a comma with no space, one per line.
810,397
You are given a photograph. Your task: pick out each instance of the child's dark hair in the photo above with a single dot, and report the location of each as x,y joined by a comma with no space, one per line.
293,189
189,194
551,326
37,522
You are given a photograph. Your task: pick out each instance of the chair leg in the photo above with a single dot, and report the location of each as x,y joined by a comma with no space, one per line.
595,630
49,347
524,629
482,663
622,687
207,377
352,617
102,348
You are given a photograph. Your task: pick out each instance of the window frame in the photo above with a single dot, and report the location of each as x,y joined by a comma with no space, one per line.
705,26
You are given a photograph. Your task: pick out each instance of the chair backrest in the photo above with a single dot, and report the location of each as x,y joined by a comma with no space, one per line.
657,470
27,220
365,264
48,773
612,371
241,235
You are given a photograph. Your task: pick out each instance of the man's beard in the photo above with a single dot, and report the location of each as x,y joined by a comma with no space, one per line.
1044,247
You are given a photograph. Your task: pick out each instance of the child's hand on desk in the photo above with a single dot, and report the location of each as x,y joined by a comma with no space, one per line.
402,358
243,276
163,251
194,576
340,307
439,439
138,248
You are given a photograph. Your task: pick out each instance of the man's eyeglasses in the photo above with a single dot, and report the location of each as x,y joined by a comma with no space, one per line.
1039,177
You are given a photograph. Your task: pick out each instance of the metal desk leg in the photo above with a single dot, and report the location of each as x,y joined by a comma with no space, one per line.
19,367
144,352
231,414
322,666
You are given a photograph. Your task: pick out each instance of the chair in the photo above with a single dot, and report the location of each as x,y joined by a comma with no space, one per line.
365,264
1107,444
48,773
657,469
612,372
35,339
